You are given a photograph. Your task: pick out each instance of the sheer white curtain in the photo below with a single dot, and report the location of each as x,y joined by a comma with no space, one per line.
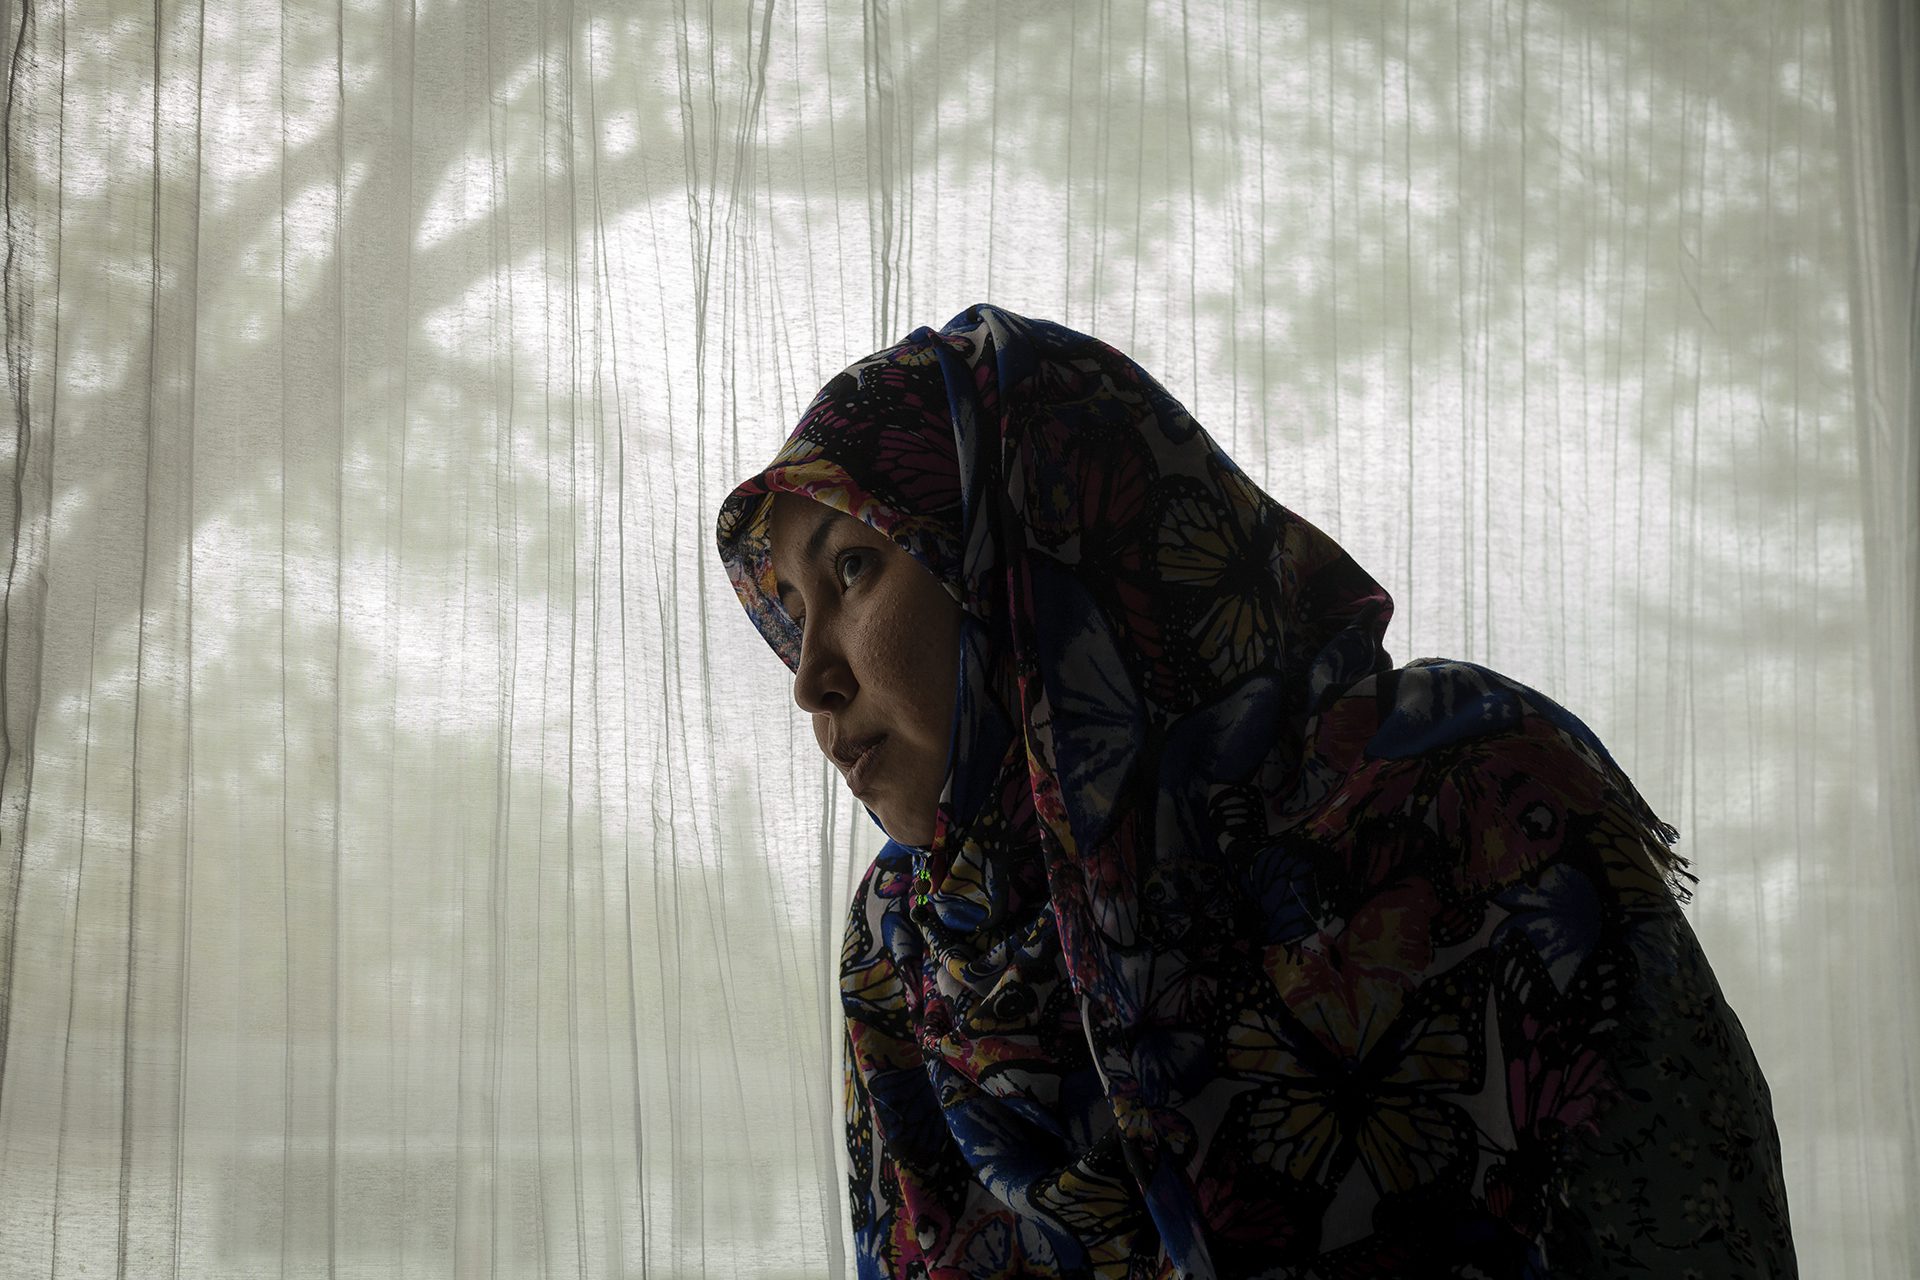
411,863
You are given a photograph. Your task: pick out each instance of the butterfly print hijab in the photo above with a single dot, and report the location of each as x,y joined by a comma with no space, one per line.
1237,950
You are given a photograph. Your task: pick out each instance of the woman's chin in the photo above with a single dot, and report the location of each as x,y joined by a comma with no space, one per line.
901,831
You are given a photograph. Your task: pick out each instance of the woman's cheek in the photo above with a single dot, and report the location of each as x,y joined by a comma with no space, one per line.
887,642
901,643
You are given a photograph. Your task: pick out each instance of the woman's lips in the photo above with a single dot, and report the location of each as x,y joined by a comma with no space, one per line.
861,770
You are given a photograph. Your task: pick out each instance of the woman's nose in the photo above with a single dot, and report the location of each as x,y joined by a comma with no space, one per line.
823,681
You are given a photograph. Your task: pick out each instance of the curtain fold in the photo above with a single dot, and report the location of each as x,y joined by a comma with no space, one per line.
411,862
23,515
1877,45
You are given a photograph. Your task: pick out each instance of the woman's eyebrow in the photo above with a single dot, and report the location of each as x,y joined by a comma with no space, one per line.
818,538
822,530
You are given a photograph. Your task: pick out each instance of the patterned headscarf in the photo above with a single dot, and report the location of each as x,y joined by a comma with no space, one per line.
1234,946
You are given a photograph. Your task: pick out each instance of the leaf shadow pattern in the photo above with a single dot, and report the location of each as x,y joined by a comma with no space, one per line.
384,367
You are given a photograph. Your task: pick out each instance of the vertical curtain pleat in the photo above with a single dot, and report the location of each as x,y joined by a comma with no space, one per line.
412,864
24,516
1876,46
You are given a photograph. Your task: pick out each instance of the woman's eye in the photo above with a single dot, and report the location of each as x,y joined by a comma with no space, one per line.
849,566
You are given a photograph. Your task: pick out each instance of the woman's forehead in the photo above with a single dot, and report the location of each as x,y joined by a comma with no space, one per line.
798,526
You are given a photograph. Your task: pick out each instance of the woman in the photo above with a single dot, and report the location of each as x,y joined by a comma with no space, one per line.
1206,942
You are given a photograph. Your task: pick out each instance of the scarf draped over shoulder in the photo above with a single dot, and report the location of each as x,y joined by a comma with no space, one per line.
1237,950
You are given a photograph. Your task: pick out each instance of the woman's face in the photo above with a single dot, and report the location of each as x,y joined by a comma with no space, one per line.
879,655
